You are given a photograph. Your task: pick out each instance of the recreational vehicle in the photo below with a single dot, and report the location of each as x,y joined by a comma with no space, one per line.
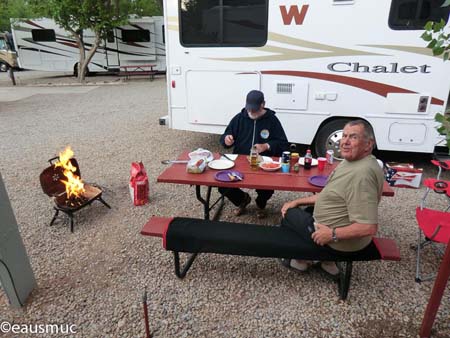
8,57
43,45
319,63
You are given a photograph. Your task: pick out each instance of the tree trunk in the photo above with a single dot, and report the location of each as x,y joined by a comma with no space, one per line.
82,60
90,54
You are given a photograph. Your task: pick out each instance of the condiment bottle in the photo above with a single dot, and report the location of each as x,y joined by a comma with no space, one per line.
254,158
294,159
308,160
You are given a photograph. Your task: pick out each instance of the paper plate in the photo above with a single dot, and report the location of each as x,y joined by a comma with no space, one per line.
221,164
261,165
318,180
226,176
301,161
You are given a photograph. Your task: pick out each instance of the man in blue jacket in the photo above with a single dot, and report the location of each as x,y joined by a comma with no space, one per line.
256,126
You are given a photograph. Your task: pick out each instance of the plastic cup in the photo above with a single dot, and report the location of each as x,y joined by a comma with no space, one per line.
321,163
285,167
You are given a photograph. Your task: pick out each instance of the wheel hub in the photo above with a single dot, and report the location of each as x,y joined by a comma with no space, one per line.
333,141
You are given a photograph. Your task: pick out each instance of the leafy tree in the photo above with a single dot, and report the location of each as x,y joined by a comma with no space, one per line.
74,16
439,42
14,9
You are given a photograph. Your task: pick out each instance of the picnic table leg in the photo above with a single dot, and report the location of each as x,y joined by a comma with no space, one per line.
207,207
436,295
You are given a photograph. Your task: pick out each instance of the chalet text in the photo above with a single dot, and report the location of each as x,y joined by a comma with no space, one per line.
392,68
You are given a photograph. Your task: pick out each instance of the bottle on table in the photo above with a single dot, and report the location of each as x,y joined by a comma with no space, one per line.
254,158
294,160
308,160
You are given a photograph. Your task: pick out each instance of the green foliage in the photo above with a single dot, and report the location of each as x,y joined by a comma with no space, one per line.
15,9
438,40
439,43
76,15
444,127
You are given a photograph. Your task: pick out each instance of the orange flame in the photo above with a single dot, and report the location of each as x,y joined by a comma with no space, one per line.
74,185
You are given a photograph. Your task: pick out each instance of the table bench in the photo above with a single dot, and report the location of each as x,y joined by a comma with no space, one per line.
203,236
138,70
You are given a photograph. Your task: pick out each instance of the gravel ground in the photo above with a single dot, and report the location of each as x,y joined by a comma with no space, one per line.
95,277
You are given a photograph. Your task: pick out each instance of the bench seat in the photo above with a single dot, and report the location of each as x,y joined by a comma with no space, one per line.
202,236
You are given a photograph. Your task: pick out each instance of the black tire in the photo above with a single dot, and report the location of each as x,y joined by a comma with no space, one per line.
329,137
75,70
4,67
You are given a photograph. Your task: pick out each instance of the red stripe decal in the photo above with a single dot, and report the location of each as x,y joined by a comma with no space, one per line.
371,86
34,24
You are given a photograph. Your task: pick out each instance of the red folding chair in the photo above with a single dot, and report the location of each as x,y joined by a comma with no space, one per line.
442,166
434,224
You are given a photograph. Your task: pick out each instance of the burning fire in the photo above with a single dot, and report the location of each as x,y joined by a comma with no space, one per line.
74,185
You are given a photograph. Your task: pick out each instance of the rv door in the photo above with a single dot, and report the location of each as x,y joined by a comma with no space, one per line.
112,50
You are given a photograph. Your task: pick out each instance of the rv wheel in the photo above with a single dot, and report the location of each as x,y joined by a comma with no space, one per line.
3,67
329,137
75,70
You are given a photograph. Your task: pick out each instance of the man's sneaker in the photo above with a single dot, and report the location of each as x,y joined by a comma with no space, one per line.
295,264
330,268
241,208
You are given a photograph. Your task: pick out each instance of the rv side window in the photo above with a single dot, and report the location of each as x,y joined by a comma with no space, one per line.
2,44
414,14
224,23
110,36
45,35
135,35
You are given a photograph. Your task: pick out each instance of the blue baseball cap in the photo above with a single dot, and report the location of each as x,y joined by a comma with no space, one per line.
254,100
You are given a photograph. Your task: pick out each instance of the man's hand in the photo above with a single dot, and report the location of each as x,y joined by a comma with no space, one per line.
322,235
229,140
287,206
262,147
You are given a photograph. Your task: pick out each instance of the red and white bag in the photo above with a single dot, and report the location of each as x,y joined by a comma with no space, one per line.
139,188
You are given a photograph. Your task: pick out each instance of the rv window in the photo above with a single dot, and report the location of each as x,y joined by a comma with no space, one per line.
110,36
45,35
414,14
2,44
135,35
223,23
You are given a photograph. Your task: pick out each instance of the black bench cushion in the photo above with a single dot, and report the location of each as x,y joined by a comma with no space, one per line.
198,235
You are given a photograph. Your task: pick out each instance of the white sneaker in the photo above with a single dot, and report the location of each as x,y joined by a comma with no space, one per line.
330,268
300,265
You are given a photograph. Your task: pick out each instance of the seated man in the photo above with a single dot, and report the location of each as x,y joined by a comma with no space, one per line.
345,216
256,126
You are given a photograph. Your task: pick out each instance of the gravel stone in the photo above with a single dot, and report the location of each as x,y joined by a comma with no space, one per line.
95,277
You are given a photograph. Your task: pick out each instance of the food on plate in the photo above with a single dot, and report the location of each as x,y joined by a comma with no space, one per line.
270,165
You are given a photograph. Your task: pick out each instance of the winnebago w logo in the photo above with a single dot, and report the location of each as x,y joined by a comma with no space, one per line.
293,13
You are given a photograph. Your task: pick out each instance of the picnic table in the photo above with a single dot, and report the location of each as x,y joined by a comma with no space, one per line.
292,181
144,69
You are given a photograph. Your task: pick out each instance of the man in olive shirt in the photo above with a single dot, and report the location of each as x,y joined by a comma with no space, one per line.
346,211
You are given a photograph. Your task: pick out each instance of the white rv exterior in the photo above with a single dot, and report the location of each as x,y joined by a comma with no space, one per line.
43,45
319,64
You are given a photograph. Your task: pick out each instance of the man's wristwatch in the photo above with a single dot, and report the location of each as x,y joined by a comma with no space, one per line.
333,235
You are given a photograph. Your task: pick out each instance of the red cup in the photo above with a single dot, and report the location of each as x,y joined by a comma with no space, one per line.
321,163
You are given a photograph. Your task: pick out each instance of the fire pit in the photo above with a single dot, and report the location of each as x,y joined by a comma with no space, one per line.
62,181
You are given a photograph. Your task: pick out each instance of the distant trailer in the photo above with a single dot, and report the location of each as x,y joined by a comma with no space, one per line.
42,44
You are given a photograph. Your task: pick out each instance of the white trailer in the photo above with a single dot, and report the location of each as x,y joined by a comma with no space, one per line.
43,45
319,64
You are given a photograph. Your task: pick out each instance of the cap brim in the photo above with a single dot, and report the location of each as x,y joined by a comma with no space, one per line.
252,106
